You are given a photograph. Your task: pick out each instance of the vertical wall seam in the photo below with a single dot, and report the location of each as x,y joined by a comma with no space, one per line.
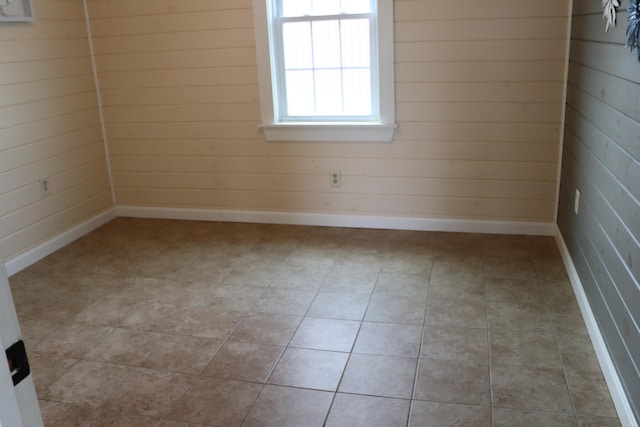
563,116
99,97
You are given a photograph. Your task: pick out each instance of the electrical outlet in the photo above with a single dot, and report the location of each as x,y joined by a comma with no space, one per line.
576,202
44,186
336,178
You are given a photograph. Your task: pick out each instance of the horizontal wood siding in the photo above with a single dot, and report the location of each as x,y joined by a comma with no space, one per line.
49,127
479,100
602,159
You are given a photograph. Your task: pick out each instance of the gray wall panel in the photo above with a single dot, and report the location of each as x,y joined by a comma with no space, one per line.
601,157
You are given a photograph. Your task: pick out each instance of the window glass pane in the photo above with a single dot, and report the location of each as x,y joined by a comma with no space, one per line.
326,44
356,50
328,93
300,99
357,92
326,7
356,6
297,45
296,7
291,8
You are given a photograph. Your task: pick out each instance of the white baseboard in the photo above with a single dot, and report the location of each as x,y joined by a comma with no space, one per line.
24,260
620,400
333,220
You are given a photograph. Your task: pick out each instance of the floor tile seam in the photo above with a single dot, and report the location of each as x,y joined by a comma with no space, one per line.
346,365
488,338
183,395
424,323
542,411
140,365
562,361
81,357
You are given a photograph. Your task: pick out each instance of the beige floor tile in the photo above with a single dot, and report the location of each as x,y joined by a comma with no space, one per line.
352,277
244,361
170,423
251,273
107,417
339,305
437,414
266,328
216,402
576,350
304,277
284,301
525,347
47,369
382,376
161,304
233,298
326,334
514,290
402,284
208,322
278,406
125,347
598,422
396,309
409,260
314,369
185,354
148,392
458,291
523,387
523,269
155,317
505,417
455,343
517,316
590,394
472,313
111,310
389,339
88,383
452,381
72,340
350,410
60,414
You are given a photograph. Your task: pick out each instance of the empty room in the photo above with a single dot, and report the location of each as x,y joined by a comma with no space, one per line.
320,213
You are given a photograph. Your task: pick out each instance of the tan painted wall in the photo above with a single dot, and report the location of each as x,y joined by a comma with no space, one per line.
479,95
49,127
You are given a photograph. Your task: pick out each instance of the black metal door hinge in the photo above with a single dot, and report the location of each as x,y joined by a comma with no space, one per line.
18,363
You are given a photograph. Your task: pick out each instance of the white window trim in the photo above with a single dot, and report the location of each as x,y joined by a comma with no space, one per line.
368,131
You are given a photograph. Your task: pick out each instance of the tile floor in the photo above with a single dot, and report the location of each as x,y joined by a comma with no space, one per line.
172,323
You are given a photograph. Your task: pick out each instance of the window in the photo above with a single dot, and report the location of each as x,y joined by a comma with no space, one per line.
326,69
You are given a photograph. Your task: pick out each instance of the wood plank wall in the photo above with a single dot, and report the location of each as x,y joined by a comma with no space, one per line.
602,159
479,100
49,127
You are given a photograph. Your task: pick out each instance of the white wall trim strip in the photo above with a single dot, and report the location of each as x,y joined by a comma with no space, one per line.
623,407
96,82
25,259
334,220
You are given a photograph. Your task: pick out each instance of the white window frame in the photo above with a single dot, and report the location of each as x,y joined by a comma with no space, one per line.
380,130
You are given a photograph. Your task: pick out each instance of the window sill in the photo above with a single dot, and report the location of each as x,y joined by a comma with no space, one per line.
329,132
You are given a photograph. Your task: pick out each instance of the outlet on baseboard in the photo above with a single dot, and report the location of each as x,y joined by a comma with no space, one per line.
576,202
